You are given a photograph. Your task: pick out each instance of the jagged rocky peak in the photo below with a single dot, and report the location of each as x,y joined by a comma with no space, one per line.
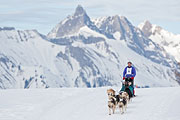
146,24
146,28
79,11
126,24
123,18
157,30
116,25
115,18
72,24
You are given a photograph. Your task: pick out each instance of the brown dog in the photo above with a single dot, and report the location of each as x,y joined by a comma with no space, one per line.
125,96
119,100
111,100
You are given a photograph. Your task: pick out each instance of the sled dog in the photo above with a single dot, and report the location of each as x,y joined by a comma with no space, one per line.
122,103
125,95
119,101
111,101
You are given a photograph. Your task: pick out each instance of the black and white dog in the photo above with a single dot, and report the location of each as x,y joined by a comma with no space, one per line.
116,101
122,103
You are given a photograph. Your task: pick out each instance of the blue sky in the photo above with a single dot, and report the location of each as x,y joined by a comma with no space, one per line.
43,15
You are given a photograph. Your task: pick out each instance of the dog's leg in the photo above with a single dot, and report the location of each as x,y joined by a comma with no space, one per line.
122,110
114,107
109,111
125,106
127,99
119,109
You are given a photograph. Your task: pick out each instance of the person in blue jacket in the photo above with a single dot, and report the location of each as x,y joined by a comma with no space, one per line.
129,72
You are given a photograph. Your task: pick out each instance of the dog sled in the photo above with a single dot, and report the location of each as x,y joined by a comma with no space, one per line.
128,87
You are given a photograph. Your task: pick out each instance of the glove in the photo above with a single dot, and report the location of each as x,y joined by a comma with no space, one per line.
123,78
132,78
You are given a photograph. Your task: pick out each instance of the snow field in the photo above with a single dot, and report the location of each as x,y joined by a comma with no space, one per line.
87,104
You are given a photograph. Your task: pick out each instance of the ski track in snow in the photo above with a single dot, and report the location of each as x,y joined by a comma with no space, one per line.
87,104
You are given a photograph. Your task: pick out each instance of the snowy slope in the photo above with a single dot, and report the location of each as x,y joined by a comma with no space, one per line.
169,41
87,104
27,60
77,53
121,29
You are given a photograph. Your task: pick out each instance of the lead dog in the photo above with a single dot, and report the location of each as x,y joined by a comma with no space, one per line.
122,103
116,100
125,95
111,100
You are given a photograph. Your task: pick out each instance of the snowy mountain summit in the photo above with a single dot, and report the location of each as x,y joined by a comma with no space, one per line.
72,24
167,40
84,52
146,27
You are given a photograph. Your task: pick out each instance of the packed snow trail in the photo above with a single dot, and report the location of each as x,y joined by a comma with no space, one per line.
87,104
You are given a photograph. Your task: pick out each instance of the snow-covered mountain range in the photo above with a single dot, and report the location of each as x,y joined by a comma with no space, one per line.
85,52
169,41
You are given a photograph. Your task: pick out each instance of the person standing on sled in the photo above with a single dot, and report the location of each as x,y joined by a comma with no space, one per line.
130,72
